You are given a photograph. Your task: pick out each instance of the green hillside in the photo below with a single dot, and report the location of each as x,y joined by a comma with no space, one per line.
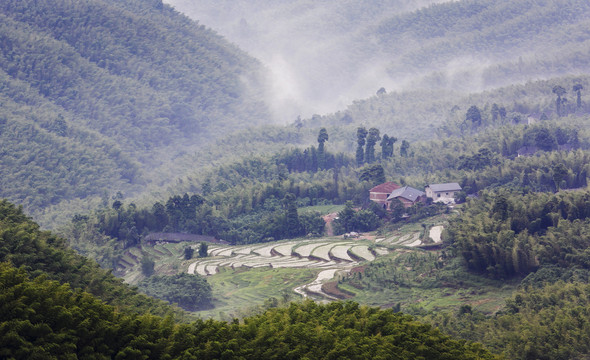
47,313
99,95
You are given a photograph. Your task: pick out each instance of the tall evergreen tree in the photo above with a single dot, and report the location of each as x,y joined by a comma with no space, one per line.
387,146
403,151
473,117
372,139
291,216
322,138
361,134
578,89
203,249
559,91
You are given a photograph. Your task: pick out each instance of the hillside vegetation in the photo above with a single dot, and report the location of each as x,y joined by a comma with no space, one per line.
58,319
95,93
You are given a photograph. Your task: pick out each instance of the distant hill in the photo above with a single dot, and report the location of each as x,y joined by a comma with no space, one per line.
340,51
97,95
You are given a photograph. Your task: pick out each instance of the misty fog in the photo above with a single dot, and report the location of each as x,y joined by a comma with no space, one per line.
323,55
316,51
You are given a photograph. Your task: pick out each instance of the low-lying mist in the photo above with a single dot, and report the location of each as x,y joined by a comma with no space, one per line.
317,60
323,55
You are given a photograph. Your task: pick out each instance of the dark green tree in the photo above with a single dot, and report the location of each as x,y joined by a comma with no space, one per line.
578,89
190,292
540,137
403,150
473,117
203,249
361,134
559,173
387,146
495,112
345,219
322,138
375,174
372,139
559,91
292,217
147,266
188,253
312,223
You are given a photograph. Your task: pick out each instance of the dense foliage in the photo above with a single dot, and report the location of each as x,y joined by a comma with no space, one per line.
550,322
504,235
41,318
41,253
93,91
190,292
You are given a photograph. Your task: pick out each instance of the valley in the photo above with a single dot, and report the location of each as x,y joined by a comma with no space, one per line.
293,179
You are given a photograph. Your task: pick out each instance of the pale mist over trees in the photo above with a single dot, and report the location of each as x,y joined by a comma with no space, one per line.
316,52
323,55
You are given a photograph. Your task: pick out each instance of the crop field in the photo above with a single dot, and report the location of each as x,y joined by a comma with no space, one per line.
244,277
322,209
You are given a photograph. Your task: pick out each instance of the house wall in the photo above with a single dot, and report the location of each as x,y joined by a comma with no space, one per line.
443,194
407,203
379,198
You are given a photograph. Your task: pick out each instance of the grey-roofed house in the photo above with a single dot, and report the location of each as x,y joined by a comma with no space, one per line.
407,195
442,192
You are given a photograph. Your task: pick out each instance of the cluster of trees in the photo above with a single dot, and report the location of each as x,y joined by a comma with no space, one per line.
403,271
561,103
549,171
312,159
350,219
505,234
490,159
366,141
190,292
272,220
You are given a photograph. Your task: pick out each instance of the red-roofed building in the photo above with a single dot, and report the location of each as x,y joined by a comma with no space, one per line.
380,193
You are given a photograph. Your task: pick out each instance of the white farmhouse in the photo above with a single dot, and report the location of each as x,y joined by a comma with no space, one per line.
442,192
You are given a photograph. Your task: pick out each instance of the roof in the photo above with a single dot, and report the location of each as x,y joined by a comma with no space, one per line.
406,192
445,187
387,188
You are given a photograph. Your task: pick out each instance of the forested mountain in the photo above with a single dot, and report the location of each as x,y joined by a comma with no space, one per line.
402,46
95,92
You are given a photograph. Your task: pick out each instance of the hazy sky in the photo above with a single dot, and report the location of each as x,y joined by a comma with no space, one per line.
317,51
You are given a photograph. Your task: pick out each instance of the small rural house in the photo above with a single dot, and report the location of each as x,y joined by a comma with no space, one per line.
380,193
407,195
443,192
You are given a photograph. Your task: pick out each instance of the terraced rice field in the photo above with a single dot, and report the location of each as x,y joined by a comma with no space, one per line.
362,251
328,256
